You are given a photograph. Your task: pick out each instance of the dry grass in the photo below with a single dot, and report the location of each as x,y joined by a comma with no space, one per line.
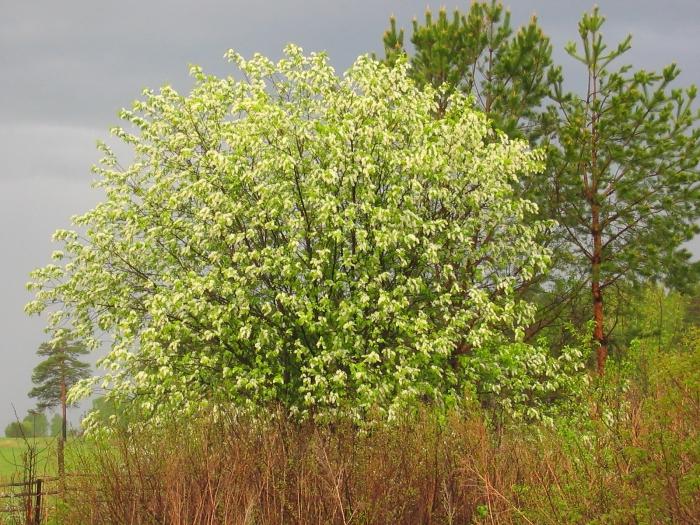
417,471
237,472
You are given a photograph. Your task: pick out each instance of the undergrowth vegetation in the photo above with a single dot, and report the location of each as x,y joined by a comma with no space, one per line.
630,455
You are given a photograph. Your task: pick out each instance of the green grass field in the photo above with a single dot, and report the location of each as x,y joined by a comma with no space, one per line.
13,451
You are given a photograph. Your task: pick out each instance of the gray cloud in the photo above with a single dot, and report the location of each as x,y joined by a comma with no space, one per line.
67,67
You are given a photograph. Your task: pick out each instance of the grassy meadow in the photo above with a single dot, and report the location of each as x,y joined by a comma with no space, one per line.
13,452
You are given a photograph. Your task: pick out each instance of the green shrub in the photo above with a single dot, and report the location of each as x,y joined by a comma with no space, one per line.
300,238
522,382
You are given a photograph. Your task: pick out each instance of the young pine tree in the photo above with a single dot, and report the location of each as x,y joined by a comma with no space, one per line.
53,376
624,171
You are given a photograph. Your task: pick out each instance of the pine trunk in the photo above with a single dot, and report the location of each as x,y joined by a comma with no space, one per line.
62,440
596,226
598,314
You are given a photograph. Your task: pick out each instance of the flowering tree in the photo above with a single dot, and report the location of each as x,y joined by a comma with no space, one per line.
325,243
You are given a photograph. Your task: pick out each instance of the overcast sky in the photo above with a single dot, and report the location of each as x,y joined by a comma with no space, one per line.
67,67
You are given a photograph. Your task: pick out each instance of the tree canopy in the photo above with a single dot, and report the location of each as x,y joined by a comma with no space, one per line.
34,424
622,178
294,237
623,163
478,53
61,369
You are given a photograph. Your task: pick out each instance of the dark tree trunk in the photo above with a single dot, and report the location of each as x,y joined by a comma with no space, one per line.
596,228
598,314
62,440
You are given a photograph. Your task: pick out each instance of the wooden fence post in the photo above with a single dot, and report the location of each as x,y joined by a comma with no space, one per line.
37,504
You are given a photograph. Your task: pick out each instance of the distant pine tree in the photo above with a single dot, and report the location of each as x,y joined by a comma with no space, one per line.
61,369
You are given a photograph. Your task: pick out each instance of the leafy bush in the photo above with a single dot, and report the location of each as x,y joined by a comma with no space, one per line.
637,459
665,448
523,382
299,238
